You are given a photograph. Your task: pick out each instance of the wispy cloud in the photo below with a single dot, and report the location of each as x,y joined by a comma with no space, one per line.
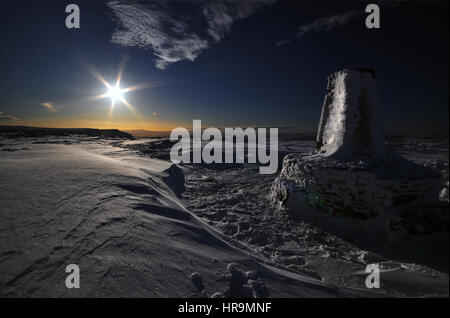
49,106
282,42
328,23
7,117
331,22
172,35
323,24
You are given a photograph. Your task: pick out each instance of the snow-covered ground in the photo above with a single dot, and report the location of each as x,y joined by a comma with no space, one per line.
237,201
138,225
120,217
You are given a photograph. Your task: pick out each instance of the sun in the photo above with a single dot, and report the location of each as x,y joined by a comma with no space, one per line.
115,93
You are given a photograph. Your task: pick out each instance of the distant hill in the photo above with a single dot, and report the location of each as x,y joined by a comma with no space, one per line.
25,131
148,133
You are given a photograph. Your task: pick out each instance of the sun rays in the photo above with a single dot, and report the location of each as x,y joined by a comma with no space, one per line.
119,96
115,92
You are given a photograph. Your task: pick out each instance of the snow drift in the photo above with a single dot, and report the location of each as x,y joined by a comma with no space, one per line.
121,219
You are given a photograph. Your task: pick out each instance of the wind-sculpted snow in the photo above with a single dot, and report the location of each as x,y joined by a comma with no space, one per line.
120,217
126,220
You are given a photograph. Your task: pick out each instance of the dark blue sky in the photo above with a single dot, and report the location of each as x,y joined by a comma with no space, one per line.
242,79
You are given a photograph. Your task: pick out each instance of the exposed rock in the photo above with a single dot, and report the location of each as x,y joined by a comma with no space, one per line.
196,279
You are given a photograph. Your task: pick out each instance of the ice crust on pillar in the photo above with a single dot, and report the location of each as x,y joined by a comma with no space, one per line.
351,125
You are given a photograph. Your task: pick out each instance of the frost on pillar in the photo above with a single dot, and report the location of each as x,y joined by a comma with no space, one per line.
350,125
352,173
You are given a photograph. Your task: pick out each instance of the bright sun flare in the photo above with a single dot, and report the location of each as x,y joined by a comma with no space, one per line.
115,93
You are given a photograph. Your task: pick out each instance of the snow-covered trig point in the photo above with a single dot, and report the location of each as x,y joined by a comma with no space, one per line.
350,124
351,173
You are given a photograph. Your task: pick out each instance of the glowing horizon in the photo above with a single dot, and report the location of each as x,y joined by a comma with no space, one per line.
98,124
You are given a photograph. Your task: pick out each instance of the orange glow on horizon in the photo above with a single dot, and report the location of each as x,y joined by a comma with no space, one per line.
105,124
